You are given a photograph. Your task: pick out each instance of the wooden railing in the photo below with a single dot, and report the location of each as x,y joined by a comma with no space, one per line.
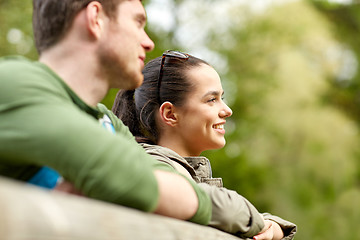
31,213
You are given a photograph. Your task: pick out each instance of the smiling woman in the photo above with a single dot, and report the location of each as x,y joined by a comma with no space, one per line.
198,124
177,114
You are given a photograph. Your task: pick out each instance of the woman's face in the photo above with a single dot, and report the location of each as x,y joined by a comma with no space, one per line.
202,117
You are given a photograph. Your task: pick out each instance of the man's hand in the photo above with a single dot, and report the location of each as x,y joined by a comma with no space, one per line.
67,187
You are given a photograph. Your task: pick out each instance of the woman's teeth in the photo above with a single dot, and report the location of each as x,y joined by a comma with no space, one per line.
218,126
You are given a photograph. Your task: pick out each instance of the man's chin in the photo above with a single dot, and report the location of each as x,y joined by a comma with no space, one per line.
133,87
135,83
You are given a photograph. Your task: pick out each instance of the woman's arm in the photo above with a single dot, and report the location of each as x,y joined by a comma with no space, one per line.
233,213
230,211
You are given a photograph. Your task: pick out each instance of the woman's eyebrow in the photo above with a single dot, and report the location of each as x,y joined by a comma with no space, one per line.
213,93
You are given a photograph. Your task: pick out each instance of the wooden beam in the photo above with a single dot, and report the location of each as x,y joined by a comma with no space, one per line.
31,213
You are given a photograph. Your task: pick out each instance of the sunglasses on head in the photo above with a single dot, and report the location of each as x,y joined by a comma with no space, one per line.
168,54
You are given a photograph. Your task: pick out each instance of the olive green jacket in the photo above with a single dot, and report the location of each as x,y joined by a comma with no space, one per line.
230,212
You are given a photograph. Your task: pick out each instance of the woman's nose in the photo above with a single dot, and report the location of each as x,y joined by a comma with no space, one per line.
225,112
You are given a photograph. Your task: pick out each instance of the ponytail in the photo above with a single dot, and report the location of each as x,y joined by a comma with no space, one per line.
125,109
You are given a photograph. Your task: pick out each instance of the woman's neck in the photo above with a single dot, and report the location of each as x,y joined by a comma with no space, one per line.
180,147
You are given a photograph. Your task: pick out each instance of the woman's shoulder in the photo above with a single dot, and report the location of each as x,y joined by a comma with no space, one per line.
162,151
168,156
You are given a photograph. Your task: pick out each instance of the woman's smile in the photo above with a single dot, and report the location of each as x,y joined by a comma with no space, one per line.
219,128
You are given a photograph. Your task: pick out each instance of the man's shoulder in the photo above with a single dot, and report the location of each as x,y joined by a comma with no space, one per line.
17,58
14,61
27,83
119,126
19,70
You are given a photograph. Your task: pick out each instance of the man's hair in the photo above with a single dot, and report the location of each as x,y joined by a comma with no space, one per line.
53,18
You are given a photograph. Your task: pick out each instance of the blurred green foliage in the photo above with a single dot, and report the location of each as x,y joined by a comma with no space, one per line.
16,35
293,83
346,19
294,151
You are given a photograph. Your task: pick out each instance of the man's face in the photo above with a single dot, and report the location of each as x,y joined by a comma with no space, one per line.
123,49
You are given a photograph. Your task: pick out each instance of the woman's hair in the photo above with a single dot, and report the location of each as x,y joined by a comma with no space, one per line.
137,108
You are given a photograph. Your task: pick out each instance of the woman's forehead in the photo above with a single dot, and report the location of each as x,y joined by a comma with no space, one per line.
205,79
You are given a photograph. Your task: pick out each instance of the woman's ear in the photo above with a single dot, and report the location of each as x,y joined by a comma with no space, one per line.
168,114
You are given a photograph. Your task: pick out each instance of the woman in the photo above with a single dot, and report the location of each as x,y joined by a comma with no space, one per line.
178,113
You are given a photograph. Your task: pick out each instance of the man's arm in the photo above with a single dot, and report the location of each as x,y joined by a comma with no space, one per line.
177,197
181,199
175,189
41,126
112,168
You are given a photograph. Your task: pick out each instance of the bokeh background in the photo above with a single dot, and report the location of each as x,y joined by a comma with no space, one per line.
290,70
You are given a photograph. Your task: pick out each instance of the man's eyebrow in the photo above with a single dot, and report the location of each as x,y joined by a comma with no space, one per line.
141,17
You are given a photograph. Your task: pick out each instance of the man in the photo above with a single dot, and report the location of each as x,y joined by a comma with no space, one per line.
49,112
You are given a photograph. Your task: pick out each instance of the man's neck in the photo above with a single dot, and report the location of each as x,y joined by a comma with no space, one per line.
79,71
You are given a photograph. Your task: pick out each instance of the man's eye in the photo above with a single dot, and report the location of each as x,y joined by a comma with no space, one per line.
212,100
